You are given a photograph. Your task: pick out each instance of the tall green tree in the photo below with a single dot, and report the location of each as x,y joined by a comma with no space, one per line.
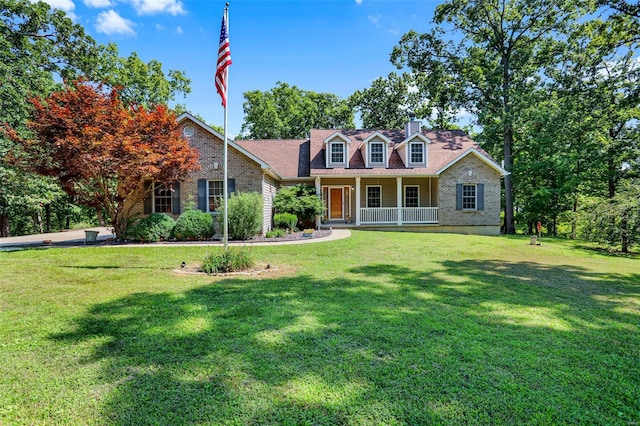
140,83
287,112
39,46
503,45
36,45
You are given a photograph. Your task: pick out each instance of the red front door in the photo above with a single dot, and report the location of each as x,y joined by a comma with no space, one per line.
335,203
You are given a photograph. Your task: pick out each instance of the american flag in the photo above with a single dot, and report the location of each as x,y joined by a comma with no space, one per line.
224,60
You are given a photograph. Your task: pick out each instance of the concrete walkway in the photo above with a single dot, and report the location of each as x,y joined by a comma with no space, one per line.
77,236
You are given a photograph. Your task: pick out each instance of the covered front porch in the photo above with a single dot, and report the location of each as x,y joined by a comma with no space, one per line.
363,201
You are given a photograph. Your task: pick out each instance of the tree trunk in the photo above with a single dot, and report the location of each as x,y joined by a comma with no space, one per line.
4,225
624,231
47,217
509,220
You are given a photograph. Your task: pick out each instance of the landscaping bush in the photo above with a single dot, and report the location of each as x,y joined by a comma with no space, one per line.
232,260
275,233
245,215
151,229
285,220
193,225
300,200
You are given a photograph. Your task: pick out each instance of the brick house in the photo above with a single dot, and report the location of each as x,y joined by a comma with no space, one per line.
411,179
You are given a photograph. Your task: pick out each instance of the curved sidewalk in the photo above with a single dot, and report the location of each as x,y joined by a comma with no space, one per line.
77,236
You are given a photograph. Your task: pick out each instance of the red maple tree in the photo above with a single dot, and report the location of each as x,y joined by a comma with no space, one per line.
103,151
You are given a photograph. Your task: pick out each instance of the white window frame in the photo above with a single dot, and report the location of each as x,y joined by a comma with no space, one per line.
344,153
418,195
468,200
422,145
367,200
154,197
382,156
211,197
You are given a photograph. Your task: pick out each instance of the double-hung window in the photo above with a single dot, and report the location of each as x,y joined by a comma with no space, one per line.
215,194
412,196
161,198
374,196
376,153
416,153
469,197
337,152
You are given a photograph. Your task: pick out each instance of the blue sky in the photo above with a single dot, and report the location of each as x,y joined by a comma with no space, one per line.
336,46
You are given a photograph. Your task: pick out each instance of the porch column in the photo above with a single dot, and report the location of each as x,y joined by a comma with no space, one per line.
358,201
319,194
399,199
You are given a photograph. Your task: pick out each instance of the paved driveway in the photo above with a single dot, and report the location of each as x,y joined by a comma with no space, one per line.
77,236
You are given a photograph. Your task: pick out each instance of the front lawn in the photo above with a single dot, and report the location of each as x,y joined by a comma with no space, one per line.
381,328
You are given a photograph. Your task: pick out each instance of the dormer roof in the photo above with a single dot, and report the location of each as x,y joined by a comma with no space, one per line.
413,137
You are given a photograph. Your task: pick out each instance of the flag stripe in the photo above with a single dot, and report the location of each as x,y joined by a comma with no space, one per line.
224,60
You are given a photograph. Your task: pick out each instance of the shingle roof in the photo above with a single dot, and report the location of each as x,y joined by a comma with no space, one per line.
289,158
296,158
445,147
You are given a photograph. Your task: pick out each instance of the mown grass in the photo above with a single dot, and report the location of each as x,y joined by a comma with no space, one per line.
381,328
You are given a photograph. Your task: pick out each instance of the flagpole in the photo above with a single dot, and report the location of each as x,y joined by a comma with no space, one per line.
225,187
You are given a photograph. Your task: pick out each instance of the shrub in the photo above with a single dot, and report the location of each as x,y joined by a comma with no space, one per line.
275,233
300,200
232,260
245,215
151,229
285,220
193,225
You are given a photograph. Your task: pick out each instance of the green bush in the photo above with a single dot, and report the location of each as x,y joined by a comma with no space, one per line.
275,233
232,260
245,215
193,225
300,200
151,229
285,220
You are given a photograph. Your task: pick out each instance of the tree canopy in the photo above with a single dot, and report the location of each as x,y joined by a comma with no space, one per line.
40,46
100,150
287,112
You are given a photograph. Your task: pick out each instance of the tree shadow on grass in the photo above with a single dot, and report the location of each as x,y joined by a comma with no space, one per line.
382,345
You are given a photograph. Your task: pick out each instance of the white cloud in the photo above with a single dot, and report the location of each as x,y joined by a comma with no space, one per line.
160,27
179,30
358,1
66,5
149,7
98,3
375,20
110,22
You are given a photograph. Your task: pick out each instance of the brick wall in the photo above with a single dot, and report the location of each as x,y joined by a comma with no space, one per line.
246,172
459,173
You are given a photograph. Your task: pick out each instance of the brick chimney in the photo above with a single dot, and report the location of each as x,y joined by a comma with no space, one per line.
412,127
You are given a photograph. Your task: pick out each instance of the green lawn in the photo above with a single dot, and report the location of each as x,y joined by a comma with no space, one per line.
381,328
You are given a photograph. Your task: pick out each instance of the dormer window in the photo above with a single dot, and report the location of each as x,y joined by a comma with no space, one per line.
337,152
375,150
416,153
414,150
376,153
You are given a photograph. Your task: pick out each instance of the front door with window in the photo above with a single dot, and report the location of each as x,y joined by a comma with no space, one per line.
335,203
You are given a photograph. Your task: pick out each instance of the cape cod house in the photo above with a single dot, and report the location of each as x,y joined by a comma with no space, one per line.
411,179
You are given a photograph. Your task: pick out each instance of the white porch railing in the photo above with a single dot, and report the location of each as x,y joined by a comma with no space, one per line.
389,215
379,215
420,215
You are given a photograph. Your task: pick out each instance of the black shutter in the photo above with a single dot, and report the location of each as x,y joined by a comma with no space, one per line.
480,195
458,196
147,199
231,186
202,195
175,198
